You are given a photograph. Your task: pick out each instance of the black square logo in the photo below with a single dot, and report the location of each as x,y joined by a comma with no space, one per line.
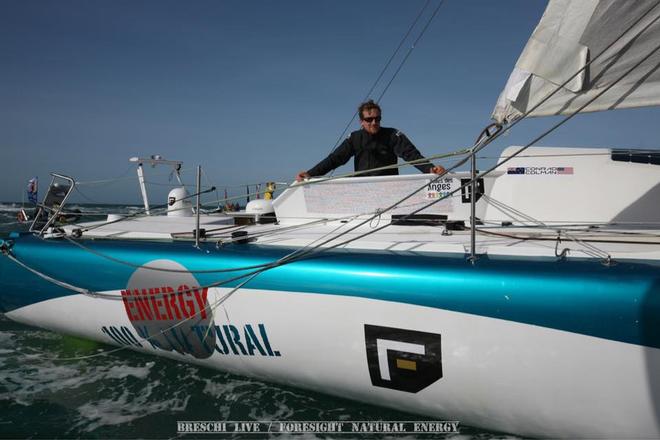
400,359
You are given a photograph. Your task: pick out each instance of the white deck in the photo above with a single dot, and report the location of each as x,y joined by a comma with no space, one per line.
596,206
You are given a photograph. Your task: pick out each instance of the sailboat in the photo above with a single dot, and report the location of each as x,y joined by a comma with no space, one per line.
523,298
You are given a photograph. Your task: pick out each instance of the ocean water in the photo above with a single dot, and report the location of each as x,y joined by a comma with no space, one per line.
126,394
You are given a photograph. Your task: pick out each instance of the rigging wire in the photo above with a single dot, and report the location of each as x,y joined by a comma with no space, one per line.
382,72
124,177
503,207
410,50
208,183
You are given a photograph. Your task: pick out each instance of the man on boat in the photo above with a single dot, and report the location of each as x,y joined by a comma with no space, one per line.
373,147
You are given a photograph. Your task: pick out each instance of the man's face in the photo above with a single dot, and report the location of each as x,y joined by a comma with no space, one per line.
371,120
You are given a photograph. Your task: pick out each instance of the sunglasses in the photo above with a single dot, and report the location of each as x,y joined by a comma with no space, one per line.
372,119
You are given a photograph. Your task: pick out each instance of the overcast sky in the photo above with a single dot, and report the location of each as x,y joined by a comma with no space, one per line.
254,90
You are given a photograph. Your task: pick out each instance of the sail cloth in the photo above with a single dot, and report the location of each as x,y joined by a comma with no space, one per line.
569,35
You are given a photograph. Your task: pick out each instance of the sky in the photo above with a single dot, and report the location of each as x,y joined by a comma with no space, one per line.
255,91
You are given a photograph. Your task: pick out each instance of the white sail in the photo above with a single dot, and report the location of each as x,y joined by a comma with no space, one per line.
569,35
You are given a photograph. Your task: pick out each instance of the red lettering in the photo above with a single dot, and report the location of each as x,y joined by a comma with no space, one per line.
156,303
201,300
187,307
166,301
170,302
163,303
143,305
182,306
128,304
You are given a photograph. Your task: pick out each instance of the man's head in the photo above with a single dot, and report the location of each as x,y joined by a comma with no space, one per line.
369,116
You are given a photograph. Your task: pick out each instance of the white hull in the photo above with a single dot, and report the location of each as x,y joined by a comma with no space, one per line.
498,374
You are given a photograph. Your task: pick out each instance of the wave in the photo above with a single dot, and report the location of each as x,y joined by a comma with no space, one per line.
88,212
92,209
11,207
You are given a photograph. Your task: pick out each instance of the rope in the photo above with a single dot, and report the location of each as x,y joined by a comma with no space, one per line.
194,271
50,279
387,167
591,249
549,155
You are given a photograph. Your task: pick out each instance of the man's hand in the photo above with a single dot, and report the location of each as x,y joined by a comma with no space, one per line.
303,175
437,169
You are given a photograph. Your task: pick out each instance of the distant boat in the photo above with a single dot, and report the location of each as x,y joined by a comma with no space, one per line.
523,300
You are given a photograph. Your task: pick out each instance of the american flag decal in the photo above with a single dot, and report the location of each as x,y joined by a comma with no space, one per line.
539,171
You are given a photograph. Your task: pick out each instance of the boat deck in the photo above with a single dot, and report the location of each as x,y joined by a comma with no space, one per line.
591,242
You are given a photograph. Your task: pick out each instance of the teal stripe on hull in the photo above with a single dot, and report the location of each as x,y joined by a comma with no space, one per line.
621,302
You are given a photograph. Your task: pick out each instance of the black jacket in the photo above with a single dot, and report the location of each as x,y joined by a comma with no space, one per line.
370,152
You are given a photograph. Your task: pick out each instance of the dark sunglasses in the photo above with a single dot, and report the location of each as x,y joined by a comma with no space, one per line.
372,119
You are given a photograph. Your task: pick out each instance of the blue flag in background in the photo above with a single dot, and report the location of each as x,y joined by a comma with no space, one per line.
33,189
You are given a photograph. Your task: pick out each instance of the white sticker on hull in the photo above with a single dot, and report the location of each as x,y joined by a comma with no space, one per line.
170,311
166,306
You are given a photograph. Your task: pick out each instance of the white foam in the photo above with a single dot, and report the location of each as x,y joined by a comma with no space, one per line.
126,407
123,371
10,207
